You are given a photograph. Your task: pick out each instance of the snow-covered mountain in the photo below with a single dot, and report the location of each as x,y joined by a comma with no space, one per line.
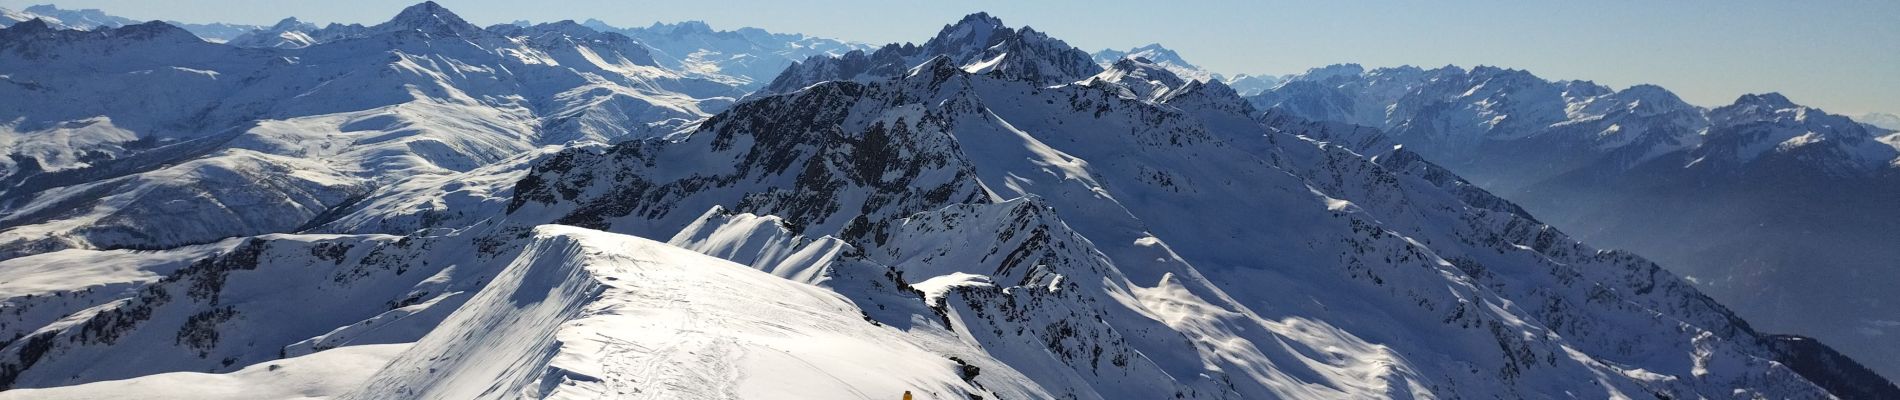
747,57
949,231
147,137
1163,56
1780,210
1252,85
1245,84
92,19
83,19
291,33
978,43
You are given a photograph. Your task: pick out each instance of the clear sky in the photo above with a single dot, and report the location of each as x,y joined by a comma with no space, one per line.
1840,55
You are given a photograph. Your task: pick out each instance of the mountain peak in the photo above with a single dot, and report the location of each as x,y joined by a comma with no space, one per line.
286,24
82,19
692,26
428,17
1322,73
980,18
598,25
939,65
977,26
41,9
155,28
1772,100
36,24
1143,79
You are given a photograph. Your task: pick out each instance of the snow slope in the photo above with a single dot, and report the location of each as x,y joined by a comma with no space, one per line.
315,376
588,314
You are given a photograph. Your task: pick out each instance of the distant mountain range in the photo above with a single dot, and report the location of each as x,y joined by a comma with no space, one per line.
1245,84
1780,210
427,208
90,19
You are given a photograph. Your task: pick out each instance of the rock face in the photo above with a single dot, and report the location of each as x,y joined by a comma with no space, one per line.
952,231
1777,209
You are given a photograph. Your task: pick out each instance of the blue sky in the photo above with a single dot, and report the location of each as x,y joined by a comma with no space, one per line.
1840,55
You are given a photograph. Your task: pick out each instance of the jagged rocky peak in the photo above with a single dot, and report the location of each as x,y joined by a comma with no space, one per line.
978,43
684,27
972,28
975,32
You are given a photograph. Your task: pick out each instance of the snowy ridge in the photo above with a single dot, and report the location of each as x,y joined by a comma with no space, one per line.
978,43
587,314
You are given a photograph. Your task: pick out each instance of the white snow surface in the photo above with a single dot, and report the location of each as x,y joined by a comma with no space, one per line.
584,314
316,376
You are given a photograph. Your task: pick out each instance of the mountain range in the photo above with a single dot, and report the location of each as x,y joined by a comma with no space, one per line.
1245,84
92,19
425,208
1761,202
